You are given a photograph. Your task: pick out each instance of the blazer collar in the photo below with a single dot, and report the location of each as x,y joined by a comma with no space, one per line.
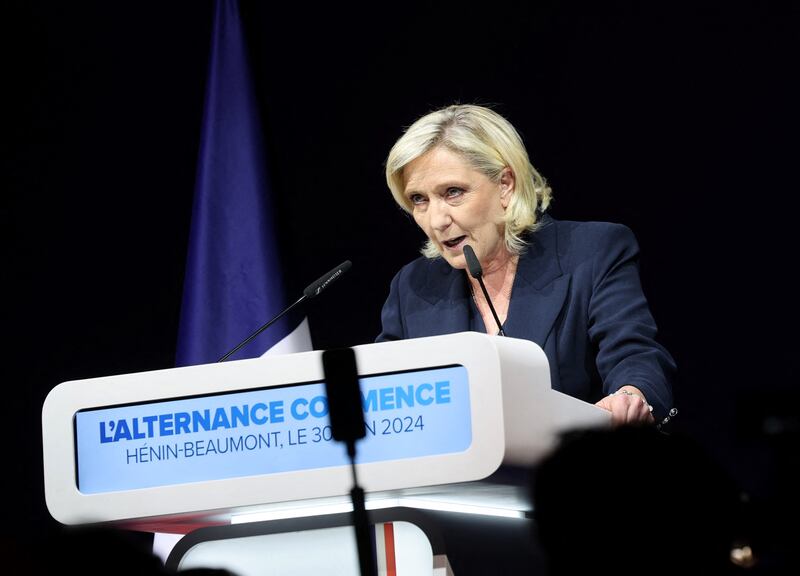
540,287
536,299
540,264
445,290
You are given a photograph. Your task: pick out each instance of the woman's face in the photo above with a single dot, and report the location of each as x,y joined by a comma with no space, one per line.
455,205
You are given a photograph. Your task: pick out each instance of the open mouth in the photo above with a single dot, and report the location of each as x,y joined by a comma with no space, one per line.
453,242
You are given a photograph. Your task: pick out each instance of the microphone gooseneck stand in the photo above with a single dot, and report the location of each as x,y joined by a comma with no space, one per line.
475,270
360,520
347,425
312,290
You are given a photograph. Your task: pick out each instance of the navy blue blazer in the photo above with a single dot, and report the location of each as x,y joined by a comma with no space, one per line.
576,293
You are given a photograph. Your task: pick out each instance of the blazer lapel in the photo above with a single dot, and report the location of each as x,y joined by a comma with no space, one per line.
539,292
540,288
445,290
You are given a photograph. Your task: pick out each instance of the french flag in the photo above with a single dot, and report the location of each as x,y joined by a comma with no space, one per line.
233,282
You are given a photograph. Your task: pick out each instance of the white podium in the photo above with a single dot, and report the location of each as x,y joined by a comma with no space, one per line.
185,448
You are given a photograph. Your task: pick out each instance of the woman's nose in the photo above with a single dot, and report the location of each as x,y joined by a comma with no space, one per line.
440,215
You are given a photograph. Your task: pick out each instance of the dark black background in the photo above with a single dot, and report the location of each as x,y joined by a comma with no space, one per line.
679,120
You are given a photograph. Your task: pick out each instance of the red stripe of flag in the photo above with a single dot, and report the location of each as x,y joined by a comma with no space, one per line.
388,541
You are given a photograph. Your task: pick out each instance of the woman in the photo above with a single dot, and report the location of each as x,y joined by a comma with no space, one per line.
573,288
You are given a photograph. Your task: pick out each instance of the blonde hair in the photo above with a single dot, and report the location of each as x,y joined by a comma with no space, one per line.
489,143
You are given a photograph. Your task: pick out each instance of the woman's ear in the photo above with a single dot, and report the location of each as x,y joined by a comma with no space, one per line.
507,185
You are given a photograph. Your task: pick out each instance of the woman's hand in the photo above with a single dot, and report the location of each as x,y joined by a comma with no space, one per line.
627,406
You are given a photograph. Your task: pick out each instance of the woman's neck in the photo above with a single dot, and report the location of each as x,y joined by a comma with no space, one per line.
499,281
498,275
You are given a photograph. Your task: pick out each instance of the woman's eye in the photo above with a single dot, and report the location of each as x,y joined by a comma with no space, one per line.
416,199
453,192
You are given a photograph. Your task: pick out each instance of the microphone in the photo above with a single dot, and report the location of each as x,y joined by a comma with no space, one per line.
311,291
476,272
344,396
347,425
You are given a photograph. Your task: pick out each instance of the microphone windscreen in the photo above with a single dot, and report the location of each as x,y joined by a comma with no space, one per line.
345,406
323,281
473,265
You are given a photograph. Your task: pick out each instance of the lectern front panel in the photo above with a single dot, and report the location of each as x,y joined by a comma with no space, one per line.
271,430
